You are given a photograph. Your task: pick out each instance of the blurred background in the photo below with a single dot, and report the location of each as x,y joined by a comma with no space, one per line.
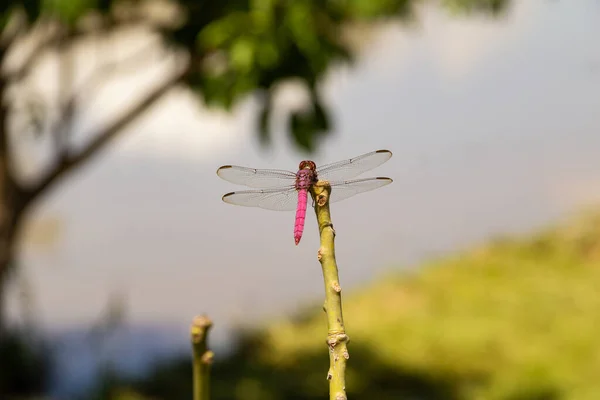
472,276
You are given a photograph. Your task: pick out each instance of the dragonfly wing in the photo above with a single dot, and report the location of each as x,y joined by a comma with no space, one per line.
345,189
276,199
256,178
353,167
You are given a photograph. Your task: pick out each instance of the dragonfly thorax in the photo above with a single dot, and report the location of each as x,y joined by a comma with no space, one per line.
305,178
306,175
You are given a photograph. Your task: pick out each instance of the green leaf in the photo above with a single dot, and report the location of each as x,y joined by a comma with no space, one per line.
242,54
69,11
308,126
223,31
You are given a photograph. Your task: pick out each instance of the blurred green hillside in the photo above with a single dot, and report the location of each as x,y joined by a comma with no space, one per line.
515,319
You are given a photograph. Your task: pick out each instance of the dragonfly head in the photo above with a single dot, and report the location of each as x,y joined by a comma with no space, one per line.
307,164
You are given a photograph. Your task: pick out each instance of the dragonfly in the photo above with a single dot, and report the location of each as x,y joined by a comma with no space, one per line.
282,190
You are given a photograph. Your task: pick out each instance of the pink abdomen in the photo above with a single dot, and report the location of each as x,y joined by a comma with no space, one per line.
300,215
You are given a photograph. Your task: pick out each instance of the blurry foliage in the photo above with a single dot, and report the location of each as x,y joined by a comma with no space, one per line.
239,47
24,365
462,6
516,319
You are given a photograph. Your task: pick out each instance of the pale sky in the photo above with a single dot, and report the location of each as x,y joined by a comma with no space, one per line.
494,130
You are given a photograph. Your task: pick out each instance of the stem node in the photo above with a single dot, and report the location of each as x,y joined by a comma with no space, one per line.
336,287
207,358
336,338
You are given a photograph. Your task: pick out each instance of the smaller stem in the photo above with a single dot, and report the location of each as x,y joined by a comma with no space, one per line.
202,358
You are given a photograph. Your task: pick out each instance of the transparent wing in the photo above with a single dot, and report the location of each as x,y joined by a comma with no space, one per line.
353,167
276,199
345,189
256,178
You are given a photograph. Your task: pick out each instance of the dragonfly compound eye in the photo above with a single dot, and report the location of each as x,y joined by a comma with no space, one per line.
307,164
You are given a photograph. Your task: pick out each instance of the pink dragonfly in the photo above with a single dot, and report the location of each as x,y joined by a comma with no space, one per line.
287,191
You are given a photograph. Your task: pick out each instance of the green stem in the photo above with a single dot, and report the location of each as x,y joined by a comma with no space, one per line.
337,339
202,358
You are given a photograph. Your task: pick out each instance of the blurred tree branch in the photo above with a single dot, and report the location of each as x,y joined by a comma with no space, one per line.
71,98
68,161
